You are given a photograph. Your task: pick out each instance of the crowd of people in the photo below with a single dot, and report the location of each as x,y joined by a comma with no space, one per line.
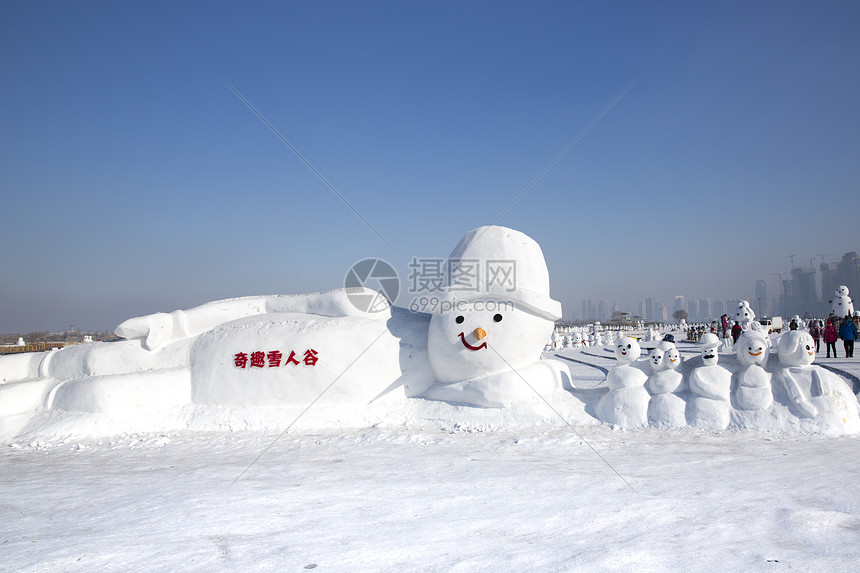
830,330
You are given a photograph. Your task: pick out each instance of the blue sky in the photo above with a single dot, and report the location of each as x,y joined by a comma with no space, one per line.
134,180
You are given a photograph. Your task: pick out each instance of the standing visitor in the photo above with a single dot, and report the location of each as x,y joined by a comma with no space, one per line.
725,331
736,331
830,338
815,333
848,332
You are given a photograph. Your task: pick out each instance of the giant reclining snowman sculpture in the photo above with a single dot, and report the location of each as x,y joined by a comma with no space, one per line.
481,348
232,363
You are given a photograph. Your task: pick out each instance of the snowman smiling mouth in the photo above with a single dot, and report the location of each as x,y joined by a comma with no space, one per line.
479,334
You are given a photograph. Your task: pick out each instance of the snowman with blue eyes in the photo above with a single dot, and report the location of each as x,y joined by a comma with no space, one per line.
484,342
626,403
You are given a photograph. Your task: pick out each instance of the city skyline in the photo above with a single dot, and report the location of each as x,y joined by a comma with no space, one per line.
802,290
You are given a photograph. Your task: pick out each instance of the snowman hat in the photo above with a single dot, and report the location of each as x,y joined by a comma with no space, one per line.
709,340
501,264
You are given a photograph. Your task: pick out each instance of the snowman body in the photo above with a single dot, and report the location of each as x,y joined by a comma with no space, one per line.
626,403
753,389
842,305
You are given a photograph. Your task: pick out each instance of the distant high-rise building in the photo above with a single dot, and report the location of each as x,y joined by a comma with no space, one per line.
799,294
589,310
761,297
603,310
649,309
693,310
679,303
849,274
719,307
705,311
829,280
661,313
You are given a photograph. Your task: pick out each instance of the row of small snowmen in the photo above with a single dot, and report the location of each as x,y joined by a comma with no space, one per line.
654,392
578,339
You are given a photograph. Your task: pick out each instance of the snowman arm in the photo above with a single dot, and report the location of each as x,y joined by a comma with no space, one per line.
792,388
819,384
156,330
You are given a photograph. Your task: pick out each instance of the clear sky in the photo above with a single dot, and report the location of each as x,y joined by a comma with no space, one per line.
135,180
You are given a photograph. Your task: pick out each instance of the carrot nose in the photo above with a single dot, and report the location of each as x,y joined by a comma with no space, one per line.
479,333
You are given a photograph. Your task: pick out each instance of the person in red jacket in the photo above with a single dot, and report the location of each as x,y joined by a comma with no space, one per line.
830,338
737,329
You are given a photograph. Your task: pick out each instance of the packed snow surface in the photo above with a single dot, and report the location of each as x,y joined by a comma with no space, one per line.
445,499
481,494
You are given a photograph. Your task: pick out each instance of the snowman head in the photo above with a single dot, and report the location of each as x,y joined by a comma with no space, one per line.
710,343
671,356
842,290
796,348
656,360
744,312
751,348
627,350
480,338
495,312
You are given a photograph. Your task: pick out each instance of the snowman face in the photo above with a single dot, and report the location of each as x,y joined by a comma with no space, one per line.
751,348
672,358
479,338
656,360
626,350
743,314
710,356
842,290
796,348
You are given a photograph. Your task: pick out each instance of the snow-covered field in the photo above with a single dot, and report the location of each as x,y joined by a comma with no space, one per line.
435,500
433,497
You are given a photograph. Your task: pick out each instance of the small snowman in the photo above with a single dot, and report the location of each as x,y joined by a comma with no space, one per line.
626,403
666,408
556,340
744,315
842,303
577,340
567,341
484,345
753,388
710,389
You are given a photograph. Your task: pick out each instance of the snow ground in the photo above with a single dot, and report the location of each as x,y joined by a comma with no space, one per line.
435,500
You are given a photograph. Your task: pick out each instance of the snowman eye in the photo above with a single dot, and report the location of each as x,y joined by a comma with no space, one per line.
628,346
460,319
498,318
